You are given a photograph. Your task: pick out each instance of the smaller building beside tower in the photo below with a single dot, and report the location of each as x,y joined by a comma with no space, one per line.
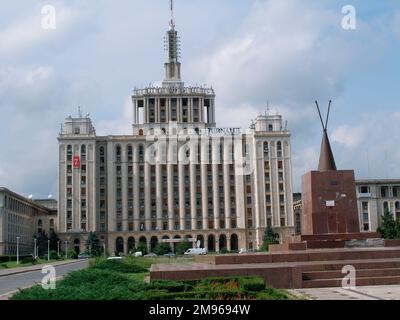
22,218
374,197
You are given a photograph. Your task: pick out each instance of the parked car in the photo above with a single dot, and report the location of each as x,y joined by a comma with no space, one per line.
195,252
138,254
84,255
244,250
170,254
150,255
114,258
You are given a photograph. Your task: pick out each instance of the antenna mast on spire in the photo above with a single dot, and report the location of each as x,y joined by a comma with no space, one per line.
172,23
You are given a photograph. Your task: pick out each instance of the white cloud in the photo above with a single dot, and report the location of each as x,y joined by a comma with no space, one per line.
120,126
28,32
350,136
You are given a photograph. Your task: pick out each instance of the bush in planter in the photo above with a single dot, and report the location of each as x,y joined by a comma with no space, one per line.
170,286
252,283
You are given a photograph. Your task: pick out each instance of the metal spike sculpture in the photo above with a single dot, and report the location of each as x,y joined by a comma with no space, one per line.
326,159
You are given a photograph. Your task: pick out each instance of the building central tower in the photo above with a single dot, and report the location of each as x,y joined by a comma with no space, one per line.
117,187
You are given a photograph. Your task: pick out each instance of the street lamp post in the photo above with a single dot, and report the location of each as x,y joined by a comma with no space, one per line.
17,250
66,250
58,248
104,249
34,249
48,250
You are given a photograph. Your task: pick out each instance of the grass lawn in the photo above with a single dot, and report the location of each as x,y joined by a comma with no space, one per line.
125,280
13,264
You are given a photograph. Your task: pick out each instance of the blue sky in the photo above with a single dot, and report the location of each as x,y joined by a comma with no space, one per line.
289,52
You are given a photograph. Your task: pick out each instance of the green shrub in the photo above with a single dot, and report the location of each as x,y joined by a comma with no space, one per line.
156,295
222,295
182,247
272,294
53,255
27,260
162,248
223,251
170,286
72,255
252,283
123,266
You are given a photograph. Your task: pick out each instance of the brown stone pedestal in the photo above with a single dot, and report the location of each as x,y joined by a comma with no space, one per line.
329,204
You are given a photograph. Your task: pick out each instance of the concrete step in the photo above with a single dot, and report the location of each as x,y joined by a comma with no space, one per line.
337,282
341,236
311,255
366,273
319,266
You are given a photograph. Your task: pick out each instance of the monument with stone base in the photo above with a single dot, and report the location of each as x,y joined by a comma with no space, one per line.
330,240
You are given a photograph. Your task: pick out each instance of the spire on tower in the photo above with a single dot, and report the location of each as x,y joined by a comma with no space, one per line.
172,77
172,23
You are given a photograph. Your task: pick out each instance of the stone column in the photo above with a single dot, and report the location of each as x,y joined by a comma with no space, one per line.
193,187
147,197
124,186
159,196
170,197
181,183
136,190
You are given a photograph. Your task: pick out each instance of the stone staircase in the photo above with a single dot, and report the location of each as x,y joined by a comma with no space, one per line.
312,268
368,273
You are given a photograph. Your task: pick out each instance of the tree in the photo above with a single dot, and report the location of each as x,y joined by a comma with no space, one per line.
54,239
387,229
93,246
270,237
183,246
397,228
142,247
41,242
162,248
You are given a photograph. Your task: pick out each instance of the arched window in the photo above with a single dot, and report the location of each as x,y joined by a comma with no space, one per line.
77,246
279,149
69,153
83,153
211,243
266,149
118,153
119,245
222,242
385,206
130,153
153,242
141,153
40,226
234,242
201,239
131,243
51,225
140,132
102,151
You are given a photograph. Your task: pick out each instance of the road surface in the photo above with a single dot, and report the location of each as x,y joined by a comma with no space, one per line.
14,282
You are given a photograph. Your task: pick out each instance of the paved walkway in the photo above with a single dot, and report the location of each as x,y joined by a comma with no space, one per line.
391,292
6,272
12,282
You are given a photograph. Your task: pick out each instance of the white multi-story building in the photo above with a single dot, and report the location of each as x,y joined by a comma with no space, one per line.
177,175
374,197
20,220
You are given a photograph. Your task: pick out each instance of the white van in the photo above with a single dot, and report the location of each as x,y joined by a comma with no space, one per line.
195,252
